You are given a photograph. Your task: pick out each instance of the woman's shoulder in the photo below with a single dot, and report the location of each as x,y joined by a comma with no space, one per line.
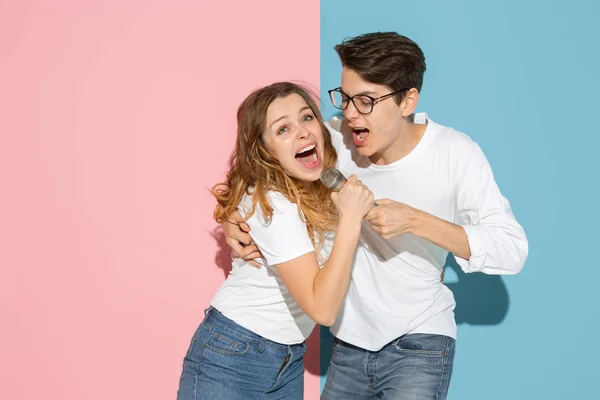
280,205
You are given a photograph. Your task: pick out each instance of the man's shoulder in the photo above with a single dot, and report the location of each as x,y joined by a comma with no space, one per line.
452,139
458,147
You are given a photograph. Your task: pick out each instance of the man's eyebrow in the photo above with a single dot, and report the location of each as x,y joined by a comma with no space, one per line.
365,93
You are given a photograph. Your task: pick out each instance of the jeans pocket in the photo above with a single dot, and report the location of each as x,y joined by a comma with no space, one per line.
226,344
336,348
335,343
422,344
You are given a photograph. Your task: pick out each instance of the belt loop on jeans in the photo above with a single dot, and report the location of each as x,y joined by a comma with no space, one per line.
207,310
261,346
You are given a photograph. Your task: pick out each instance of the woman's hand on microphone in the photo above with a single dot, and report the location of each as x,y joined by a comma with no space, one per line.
354,200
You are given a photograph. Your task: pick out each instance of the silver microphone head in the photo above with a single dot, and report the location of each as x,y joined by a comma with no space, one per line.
333,179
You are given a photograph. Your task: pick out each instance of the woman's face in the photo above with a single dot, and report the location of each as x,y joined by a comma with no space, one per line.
294,137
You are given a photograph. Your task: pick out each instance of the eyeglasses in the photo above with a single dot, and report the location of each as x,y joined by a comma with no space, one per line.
364,104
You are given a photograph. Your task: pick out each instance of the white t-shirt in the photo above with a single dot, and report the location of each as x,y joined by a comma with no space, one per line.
395,287
256,298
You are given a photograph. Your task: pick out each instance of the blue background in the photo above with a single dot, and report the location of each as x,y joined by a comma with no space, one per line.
520,78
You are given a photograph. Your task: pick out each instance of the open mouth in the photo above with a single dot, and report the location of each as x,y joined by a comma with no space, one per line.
308,156
360,135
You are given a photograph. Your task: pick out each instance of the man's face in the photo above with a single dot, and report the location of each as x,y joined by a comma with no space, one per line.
374,134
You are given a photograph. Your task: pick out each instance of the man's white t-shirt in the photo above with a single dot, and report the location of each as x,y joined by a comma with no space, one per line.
256,298
395,287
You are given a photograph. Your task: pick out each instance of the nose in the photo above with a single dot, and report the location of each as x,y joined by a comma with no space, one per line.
302,132
350,112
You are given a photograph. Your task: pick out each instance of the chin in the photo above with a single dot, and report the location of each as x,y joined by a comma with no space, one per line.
311,176
365,151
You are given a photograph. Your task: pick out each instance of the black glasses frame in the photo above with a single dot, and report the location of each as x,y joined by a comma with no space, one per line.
374,100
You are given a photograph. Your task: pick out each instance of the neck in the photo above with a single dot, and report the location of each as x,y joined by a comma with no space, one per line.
309,186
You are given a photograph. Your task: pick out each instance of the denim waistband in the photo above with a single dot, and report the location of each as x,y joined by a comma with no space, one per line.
214,317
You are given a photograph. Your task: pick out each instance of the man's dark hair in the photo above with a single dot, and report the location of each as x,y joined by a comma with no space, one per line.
385,58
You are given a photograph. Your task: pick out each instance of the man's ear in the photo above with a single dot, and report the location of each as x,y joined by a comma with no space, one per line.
410,101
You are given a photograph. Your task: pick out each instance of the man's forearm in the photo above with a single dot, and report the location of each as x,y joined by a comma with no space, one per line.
445,234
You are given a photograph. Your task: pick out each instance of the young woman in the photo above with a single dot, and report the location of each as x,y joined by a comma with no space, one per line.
250,344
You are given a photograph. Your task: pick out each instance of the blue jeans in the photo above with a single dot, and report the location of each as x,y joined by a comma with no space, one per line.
415,366
227,361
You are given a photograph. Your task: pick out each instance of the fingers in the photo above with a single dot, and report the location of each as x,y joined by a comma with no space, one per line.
235,245
236,238
351,179
236,217
357,188
234,231
383,202
384,232
249,252
375,223
244,226
371,198
353,182
254,263
376,228
237,228
371,215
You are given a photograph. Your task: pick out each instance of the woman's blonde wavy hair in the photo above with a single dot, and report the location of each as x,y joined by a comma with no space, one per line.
252,169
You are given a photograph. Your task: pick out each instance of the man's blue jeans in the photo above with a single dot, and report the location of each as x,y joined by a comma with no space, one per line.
412,367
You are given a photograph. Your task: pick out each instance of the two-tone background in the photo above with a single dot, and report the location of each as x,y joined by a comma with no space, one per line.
116,116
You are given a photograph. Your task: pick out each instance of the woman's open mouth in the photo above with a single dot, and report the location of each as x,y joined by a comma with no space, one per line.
309,156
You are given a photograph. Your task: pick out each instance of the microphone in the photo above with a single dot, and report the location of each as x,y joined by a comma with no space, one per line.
333,179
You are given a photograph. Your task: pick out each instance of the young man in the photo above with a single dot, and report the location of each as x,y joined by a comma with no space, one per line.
394,337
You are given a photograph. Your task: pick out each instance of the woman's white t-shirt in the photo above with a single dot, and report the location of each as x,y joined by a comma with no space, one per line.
256,298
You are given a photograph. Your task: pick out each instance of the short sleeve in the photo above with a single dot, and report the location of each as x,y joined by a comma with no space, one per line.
285,236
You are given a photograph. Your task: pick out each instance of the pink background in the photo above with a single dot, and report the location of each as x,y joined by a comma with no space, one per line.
115,118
